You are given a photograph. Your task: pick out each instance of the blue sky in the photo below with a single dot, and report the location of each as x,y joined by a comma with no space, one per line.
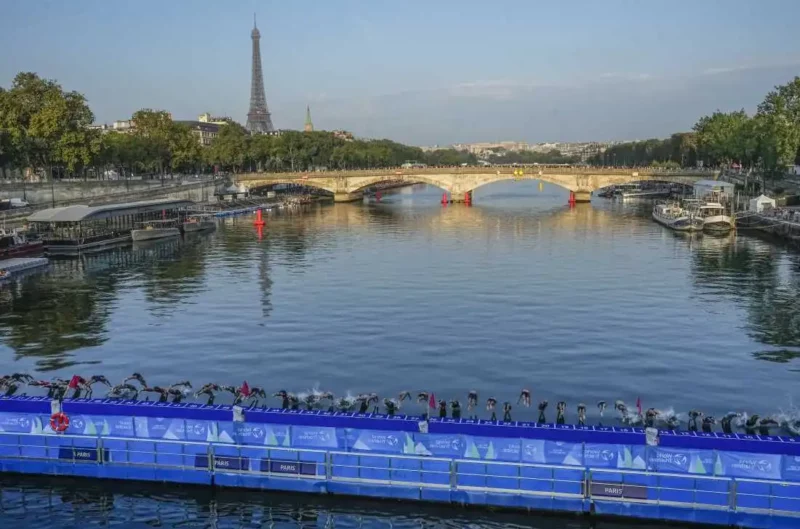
417,71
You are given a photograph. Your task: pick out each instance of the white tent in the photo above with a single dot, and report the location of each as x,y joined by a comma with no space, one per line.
757,205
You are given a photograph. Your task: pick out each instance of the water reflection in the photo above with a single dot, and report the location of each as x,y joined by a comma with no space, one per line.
517,286
60,503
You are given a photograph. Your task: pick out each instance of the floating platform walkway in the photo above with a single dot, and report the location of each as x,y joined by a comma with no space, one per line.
712,478
10,268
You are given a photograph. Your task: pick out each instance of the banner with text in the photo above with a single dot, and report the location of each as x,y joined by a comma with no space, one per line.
379,441
683,461
747,465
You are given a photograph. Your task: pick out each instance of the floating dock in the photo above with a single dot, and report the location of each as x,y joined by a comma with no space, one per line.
10,268
711,478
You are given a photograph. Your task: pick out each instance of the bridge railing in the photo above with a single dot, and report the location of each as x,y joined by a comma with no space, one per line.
470,170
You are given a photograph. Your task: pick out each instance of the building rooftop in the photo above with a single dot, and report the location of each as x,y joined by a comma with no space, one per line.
80,213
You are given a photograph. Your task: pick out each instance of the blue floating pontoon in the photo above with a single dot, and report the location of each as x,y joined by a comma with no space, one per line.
713,478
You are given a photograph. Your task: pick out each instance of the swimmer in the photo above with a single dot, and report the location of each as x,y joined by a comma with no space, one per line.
650,417
472,402
693,416
601,405
345,404
163,393
491,404
404,395
750,425
507,412
708,424
525,398
581,414
124,391
725,422
561,408
210,390
442,409
455,409
765,424
542,408
391,406
138,378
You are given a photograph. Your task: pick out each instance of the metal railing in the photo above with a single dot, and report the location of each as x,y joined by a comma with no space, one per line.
654,488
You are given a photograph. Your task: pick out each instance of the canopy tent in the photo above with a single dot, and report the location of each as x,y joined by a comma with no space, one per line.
759,204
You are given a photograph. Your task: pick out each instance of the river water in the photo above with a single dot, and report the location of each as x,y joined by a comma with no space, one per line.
517,291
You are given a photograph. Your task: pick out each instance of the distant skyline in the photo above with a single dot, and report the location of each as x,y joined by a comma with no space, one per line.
418,72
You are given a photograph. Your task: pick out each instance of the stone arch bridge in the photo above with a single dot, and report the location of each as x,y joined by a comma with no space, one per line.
457,182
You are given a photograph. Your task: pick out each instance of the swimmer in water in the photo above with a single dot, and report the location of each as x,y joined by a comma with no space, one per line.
726,421
561,409
542,408
673,423
491,404
601,405
124,391
345,404
210,390
650,417
708,424
472,403
507,412
581,414
765,424
391,406
137,377
525,398
750,425
693,416
442,409
455,409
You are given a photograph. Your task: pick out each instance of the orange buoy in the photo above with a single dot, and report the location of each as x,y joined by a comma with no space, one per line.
259,221
59,422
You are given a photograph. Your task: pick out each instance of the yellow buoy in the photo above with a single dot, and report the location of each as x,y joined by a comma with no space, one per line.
541,186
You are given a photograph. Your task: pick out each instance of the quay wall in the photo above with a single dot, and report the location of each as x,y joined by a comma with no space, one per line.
727,479
103,191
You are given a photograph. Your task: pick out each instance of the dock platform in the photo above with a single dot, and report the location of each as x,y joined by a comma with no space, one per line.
12,267
709,478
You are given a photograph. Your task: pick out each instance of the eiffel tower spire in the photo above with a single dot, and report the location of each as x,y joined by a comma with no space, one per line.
258,118
309,126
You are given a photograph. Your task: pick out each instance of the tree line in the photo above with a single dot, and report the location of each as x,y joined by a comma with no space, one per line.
47,129
767,141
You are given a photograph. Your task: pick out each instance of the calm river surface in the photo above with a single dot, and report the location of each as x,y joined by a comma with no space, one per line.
596,302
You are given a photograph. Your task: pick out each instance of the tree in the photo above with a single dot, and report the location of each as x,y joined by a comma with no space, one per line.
725,137
230,148
45,126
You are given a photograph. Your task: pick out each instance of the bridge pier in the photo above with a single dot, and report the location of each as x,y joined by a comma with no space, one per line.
583,196
458,198
348,197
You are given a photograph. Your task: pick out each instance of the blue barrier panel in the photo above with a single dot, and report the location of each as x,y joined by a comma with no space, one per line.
262,434
201,431
19,422
749,465
379,441
681,460
316,437
440,445
614,456
160,428
790,470
492,448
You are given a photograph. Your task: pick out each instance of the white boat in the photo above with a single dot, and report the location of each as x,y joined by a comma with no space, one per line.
156,229
199,222
675,217
714,218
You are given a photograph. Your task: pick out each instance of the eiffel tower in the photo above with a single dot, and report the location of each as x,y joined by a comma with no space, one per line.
258,118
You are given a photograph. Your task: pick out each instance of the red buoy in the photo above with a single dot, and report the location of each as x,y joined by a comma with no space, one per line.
572,198
468,198
445,201
259,221
378,196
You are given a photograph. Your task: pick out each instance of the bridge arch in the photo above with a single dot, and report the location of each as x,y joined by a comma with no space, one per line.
566,182
315,183
360,184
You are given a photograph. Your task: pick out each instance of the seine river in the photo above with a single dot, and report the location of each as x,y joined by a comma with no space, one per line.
518,291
